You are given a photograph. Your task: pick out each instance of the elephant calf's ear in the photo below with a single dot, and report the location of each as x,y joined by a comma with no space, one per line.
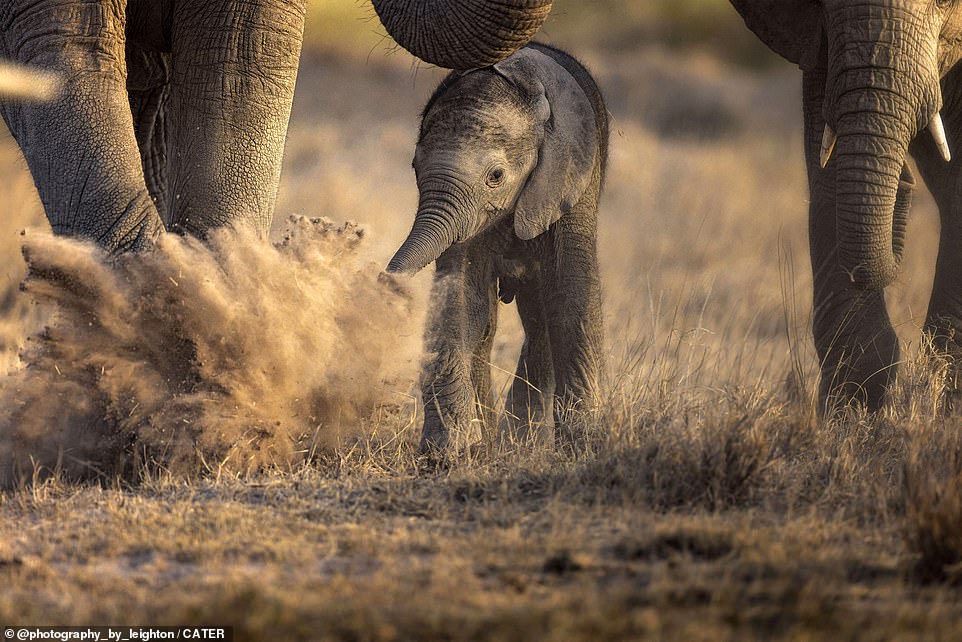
566,157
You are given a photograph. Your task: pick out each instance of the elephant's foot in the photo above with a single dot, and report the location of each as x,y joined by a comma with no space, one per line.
528,416
433,442
135,229
858,377
943,337
450,434
529,431
140,236
942,343
573,418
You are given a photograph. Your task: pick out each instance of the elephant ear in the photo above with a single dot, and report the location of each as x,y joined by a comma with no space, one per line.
569,146
791,28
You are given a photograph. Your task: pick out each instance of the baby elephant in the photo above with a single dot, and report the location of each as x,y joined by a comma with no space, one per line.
510,164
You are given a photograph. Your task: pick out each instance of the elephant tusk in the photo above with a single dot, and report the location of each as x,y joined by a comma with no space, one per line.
937,129
828,145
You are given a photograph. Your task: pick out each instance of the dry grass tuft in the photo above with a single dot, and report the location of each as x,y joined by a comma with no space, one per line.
933,504
710,462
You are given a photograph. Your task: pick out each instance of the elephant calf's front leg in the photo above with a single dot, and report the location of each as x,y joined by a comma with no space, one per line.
575,326
455,385
529,407
449,408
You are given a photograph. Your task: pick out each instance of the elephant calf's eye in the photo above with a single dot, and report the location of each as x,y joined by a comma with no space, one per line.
495,177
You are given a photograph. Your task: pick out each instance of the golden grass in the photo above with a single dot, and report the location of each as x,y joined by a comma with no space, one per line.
707,503
712,525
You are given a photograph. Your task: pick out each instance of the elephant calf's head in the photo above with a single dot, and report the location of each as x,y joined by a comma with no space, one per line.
517,138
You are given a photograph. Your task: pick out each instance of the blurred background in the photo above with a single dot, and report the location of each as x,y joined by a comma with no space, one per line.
703,223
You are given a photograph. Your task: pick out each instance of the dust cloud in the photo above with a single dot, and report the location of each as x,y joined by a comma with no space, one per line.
231,354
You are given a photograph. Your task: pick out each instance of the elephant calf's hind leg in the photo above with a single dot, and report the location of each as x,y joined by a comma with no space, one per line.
529,406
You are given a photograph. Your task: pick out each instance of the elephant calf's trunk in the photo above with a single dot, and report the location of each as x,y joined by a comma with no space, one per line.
429,238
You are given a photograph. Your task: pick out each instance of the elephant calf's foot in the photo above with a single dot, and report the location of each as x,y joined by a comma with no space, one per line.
574,415
451,437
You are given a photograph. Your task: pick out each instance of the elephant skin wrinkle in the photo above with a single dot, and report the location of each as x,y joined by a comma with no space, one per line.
229,355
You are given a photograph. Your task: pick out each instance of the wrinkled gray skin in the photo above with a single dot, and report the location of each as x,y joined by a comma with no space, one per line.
173,113
876,72
510,164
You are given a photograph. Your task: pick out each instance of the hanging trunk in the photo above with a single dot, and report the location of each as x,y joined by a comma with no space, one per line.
903,203
431,235
867,190
882,91
462,34
441,221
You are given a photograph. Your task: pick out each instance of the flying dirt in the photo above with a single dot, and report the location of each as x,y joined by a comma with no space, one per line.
228,355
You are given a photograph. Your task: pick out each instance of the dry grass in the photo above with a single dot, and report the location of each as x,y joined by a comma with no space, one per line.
707,503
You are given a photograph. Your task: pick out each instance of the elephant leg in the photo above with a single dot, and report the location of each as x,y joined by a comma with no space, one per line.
234,63
81,147
943,323
529,399
481,337
148,75
572,287
857,346
455,384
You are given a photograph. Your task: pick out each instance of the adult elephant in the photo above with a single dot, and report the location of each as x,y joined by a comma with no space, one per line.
173,113
876,75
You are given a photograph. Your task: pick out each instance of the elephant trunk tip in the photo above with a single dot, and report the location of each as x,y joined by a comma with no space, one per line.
399,267
875,277
406,262
428,240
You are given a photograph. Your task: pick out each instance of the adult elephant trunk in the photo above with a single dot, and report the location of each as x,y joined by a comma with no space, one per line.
871,204
462,34
883,89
